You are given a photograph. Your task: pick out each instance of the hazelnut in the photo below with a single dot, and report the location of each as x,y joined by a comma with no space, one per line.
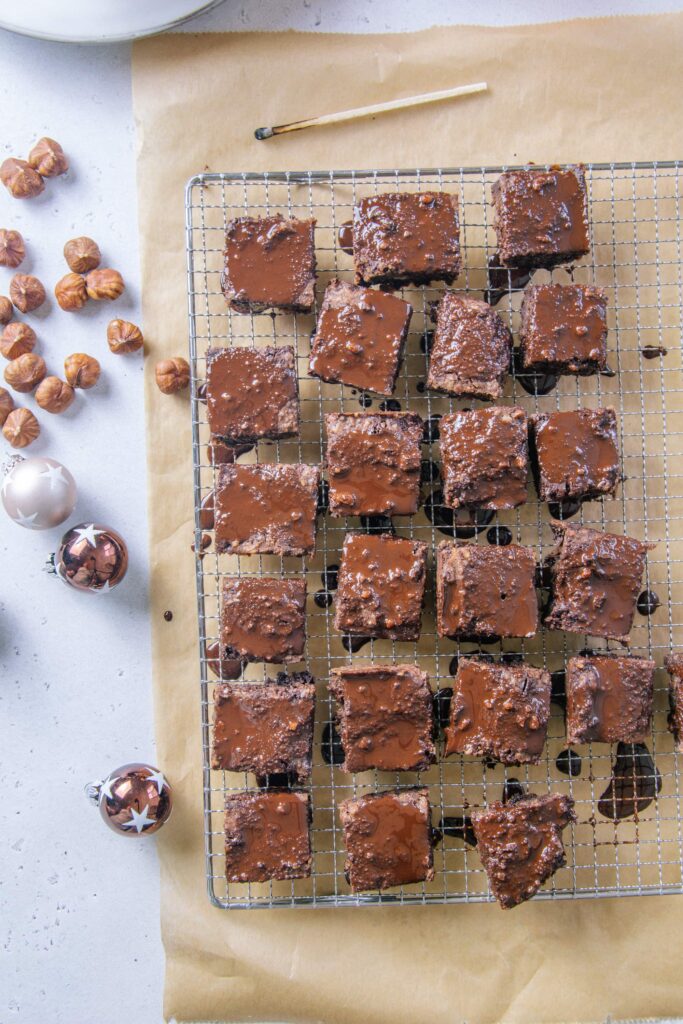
48,159
20,179
25,372
26,292
104,284
6,310
12,248
17,339
124,336
54,395
82,254
6,404
81,371
172,375
70,291
21,428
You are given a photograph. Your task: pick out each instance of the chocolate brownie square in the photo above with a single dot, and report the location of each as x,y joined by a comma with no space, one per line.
267,836
470,357
674,666
609,699
269,264
541,217
263,619
388,839
266,509
483,593
563,329
360,338
385,717
485,458
499,711
252,393
406,238
575,454
265,728
373,463
520,844
595,582
381,586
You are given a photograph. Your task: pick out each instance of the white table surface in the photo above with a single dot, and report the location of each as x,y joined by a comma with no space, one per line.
79,906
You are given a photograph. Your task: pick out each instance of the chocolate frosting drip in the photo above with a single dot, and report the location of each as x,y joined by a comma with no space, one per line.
609,699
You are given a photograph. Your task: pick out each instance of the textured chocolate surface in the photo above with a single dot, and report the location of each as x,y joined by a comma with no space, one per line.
267,836
541,217
499,711
470,357
263,619
269,264
485,458
563,329
575,454
520,844
674,666
595,582
373,463
266,509
388,839
360,337
403,237
485,592
252,393
385,717
609,699
381,586
265,728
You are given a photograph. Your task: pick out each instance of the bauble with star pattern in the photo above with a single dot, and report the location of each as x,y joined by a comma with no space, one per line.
91,557
134,800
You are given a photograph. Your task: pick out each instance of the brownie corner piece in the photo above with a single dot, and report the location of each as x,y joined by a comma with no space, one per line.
252,393
485,457
609,698
267,836
470,356
575,454
563,329
541,216
388,839
520,844
270,264
263,618
674,667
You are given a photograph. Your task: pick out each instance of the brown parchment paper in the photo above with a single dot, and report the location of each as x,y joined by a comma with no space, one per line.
594,90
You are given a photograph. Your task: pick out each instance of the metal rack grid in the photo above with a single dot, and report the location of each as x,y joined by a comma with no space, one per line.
635,213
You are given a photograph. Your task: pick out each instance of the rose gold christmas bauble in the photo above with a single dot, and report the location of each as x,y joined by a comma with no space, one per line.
134,799
91,557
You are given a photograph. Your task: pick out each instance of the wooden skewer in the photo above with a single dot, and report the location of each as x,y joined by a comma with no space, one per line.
376,108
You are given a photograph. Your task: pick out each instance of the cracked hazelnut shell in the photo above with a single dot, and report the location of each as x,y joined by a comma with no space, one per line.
6,310
81,370
123,337
82,254
12,248
54,395
16,340
6,404
26,372
48,158
70,292
26,292
21,428
104,283
20,179
172,375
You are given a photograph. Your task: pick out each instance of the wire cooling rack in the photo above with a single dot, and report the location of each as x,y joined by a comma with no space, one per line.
635,214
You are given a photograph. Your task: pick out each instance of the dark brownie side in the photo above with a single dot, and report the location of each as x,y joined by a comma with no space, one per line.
609,699
674,666
563,329
575,454
252,393
267,836
269,264
263,619
470,357
485,458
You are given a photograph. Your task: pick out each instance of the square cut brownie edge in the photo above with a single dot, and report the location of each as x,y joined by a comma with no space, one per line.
269,264
575,454
267,836
263,619
385,717
563,329
485,458
609,699
388,839
373,463
470,356
252,393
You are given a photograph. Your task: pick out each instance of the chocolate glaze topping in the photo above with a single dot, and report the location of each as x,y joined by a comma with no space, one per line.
575,454
564,329
485,458
373,463
609,699
674,666
385,717
470,357
388,839
267,836
252,393
269,263
499,711
267,509
264,619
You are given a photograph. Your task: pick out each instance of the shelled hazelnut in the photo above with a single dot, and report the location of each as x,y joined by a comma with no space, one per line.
82,254
6,404
20,179
21,428
26,292
12,248
172,375
70,292
6,310
81,371
17,339
54,395
124,337
26,372
48,158
104,283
